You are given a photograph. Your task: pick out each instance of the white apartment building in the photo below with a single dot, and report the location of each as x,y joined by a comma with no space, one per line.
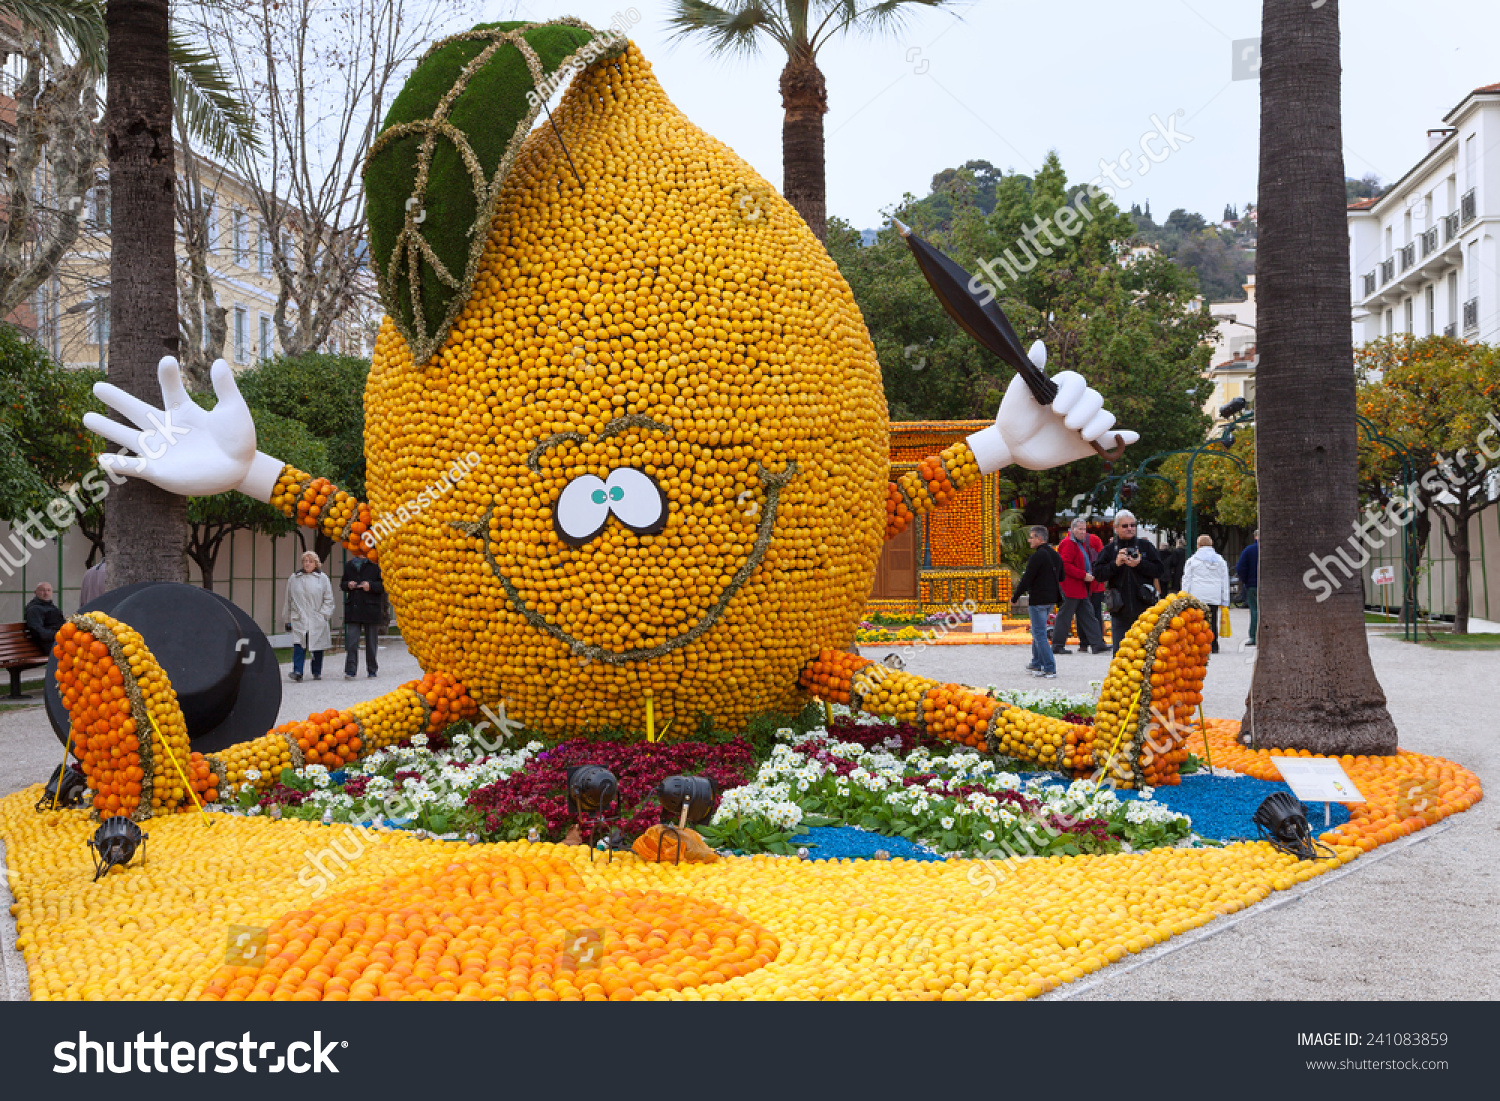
1423,256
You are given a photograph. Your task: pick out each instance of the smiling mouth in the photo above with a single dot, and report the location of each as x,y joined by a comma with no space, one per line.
773,485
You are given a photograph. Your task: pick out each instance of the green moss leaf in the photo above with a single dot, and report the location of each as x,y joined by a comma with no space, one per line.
449,141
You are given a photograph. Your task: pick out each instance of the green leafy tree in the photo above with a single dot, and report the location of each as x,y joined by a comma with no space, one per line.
800,29
326,394
45,452
1440,399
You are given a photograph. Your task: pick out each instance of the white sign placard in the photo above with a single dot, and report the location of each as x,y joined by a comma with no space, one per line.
1384,575
988,624
1317,780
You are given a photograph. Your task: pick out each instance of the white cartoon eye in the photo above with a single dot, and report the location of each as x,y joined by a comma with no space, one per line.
582,509
636,501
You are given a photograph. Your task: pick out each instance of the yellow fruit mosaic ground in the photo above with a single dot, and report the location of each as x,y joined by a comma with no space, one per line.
408,918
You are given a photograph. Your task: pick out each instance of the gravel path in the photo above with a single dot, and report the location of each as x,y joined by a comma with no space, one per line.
1412,920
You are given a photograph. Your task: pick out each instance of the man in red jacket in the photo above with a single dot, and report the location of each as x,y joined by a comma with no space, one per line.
1079,551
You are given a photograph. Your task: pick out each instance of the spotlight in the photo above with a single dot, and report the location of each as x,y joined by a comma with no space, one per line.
114,843
64,789
594,797
689,799
1282,821
1231,407
686,799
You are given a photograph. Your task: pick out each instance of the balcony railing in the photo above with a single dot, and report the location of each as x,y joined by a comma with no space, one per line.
1471,315
1468,207
1408,256
1429,242
1451,329
1450,227
1369,283
1387,270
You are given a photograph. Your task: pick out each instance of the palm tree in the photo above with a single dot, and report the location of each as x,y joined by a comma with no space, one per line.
1314,687
147,68
146,531
801,28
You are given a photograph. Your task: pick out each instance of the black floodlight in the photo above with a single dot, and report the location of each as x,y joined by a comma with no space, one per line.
114,843
64,790
1231,407
1282,821
594,797
687,800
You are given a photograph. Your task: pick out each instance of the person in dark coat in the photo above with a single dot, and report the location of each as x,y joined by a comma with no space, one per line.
1129,566
1042,582
1175,561
43,618
364,602
1248,569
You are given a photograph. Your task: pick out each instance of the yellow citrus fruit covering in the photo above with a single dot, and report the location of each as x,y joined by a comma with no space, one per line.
680,428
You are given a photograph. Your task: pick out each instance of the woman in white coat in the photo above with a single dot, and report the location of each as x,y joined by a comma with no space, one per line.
306,610
1206,576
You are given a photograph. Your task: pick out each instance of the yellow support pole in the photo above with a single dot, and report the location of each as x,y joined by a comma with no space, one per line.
67,745
1135,707
193,795
650,720
1203,725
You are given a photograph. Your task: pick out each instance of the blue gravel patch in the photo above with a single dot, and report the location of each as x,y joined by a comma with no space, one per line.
1223,807
846,842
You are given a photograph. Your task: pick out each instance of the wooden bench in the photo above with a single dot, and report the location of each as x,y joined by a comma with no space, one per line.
17,654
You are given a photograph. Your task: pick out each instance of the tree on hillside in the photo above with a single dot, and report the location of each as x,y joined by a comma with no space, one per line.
1131,329
1367,187
800,29
1313,687
1440,399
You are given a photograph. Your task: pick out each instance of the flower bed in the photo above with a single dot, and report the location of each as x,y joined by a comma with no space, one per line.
878,776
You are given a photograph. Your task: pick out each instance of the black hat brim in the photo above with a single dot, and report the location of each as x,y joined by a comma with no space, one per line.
165,621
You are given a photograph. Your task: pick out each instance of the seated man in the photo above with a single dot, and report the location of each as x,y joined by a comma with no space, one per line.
43,618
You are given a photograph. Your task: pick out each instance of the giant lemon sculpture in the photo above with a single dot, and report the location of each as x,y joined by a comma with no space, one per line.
626,433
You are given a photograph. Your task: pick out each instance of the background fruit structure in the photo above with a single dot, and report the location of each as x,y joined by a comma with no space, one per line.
666,281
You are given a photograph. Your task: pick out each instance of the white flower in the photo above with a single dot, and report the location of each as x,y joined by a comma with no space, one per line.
419,738
252,774
988,835
947,823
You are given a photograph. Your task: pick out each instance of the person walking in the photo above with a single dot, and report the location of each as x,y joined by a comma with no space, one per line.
1175,562
95,583
1040,581
306,610
1129,566
1206,576
1248,569
1078,552
364,599
43,618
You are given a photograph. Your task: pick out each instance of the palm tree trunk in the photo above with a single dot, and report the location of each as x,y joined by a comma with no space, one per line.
146,535
804,98
1314,687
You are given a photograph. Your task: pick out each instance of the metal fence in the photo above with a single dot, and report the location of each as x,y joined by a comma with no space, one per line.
1437,585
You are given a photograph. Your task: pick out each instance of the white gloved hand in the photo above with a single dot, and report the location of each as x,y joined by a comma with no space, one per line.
1039,437
183,448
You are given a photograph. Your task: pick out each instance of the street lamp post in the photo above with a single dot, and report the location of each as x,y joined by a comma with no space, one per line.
1411,548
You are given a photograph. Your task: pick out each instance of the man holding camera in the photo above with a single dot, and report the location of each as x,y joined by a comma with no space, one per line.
1127,565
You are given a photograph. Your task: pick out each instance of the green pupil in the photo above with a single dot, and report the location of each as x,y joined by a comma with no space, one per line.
615,493
598,496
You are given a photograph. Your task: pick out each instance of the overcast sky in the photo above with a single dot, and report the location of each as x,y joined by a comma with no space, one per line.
1010,80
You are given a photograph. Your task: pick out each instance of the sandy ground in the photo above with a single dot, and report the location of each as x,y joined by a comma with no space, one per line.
1412,920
